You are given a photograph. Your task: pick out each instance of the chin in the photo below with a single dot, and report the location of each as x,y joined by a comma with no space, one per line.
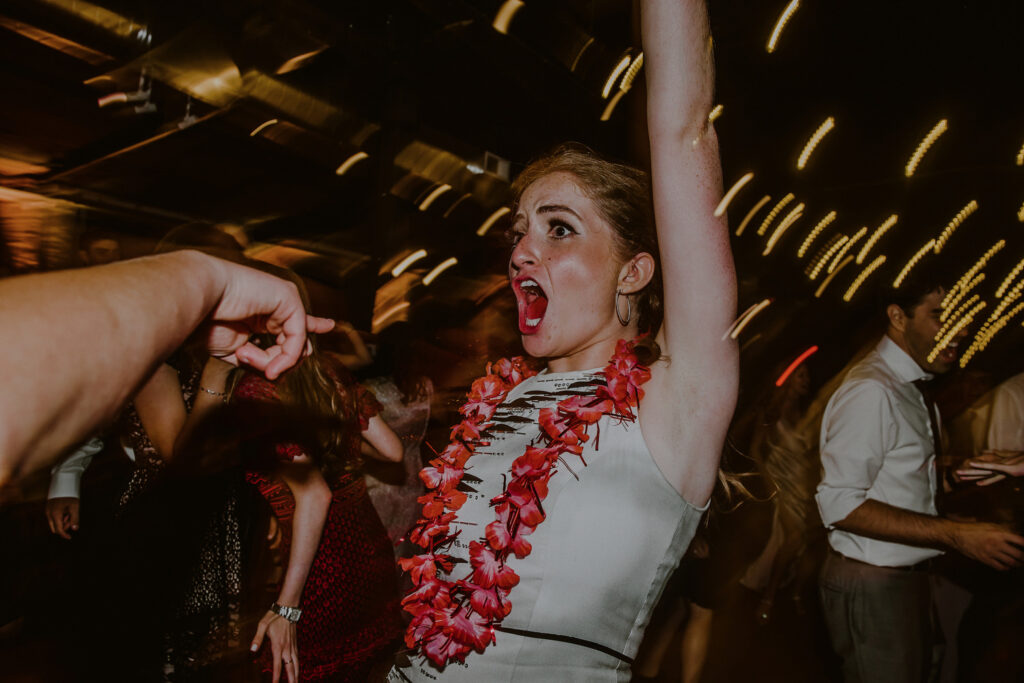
533,346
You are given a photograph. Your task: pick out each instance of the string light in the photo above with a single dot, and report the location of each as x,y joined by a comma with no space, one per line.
388,314
831,276
774,212
1010,278
614,75
1020,213
715,113
745,319
780,24
350,162
822,131
944,341
408,261
957,313
632,72
1020,156
846,247
978,265
504,16
875,236
983,338
792,217
750,214
731,194
486,225
262,127
955,295
822,224
959,218
440,190
438,269
912,262
829,253
794,365
875,265
923,146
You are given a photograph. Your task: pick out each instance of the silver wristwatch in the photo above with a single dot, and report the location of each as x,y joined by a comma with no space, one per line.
292,614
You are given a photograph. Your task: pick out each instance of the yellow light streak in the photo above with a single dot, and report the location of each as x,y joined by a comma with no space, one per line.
350,162
614,75
959,218
1020,156
774,212
262,127
1020,213
750,214
912,262
745,319
989,330
792,217
1005,303
831,276
875,236
955,295
631,73
842,239
448,211
438,269
923,146
610,107
822,131
1010,278
505,14
780,24
491,220
731,194
846,247
408,261
715,113
956,314
978,265
576,59
388,314
944,341
438,191
875,265
814,233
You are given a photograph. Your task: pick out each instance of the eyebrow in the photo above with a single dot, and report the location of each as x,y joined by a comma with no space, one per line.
557,208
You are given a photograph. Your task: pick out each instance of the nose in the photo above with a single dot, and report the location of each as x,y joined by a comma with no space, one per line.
523,253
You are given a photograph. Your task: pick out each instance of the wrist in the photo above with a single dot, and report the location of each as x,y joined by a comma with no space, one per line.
292,614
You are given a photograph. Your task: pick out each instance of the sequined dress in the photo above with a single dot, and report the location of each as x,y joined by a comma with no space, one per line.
350,603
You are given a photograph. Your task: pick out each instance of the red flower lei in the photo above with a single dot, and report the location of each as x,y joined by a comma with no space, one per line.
450,618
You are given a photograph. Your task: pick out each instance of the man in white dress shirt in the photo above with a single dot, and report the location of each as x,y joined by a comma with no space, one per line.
877,498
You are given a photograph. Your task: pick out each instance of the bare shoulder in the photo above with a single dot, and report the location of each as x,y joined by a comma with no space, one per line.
684,416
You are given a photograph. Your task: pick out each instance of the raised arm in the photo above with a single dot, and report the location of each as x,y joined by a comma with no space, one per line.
700,383
100,332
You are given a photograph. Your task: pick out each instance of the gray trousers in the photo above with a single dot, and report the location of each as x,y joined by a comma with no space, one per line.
880,621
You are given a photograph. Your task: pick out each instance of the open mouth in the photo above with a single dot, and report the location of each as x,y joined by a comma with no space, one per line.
948,354
533,303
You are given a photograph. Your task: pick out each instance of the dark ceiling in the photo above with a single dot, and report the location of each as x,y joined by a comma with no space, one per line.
434,95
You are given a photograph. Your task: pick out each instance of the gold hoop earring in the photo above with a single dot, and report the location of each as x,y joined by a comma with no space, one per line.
629,308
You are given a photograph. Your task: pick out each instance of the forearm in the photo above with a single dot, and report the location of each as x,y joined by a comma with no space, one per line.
98,333
885,522
210,395
312,502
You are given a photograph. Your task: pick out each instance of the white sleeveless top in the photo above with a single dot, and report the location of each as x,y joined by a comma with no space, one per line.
614,532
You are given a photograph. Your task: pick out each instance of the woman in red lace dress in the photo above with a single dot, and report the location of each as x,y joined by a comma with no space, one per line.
337,610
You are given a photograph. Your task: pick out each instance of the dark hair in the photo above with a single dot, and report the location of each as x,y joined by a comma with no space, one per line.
923,280
622,195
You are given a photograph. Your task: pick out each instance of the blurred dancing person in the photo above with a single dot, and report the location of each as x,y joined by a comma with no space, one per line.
879,441
566,498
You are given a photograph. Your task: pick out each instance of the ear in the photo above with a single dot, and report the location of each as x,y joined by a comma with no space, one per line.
636,273
897,317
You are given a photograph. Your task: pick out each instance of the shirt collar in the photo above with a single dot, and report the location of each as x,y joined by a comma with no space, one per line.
900,362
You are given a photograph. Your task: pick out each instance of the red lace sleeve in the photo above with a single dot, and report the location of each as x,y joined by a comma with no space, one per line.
367,404
256,388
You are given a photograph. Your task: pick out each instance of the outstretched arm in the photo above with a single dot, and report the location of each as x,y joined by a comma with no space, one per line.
100,332
697,268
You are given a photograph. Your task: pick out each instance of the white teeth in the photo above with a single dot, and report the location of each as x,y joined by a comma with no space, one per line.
528,283
530,322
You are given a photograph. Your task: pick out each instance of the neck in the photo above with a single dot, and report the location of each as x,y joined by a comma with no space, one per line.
595,355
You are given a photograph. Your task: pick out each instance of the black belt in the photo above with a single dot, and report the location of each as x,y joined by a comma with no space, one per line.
566,639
